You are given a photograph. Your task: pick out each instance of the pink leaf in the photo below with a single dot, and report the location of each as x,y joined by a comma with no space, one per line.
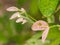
45,33
39,25
15,15
12,9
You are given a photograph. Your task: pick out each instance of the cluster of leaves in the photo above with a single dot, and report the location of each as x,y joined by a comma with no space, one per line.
12,33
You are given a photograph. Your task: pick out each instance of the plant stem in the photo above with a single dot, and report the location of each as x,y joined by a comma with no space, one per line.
27,16
54,26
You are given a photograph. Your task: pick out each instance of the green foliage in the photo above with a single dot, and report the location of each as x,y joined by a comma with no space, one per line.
11,32
34,40
54,33
50,19
47,7
56,42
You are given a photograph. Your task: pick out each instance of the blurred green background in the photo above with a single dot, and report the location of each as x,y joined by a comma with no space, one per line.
12,33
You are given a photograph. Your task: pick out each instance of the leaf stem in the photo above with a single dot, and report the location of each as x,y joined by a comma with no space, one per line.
28,17
54,26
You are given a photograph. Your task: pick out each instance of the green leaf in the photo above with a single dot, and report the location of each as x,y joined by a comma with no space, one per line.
34,39
56,42
53,33
34,42
47,7
36,36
